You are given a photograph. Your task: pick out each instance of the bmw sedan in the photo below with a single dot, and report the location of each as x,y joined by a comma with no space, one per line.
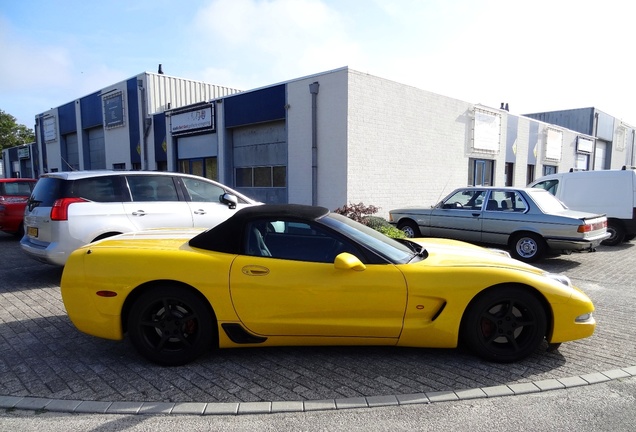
531,222
276,275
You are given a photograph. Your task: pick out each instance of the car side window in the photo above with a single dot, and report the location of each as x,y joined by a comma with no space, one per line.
506,201
290,240
99,189
549,185
203,191
465,200
152,188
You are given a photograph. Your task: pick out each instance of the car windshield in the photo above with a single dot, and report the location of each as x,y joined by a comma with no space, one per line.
546,201
389,248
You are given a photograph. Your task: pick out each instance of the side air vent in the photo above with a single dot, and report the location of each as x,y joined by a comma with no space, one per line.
239,335
438,313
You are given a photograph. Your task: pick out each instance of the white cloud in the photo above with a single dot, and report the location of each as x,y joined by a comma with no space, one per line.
271,41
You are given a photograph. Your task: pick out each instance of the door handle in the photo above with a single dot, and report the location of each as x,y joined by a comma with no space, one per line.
254,270
139,213
200,212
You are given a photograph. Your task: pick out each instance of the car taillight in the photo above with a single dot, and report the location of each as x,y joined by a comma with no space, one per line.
59,211
592,227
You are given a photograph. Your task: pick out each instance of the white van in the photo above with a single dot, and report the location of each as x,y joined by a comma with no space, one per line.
609,192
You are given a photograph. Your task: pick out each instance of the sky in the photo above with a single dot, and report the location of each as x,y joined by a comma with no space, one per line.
539,55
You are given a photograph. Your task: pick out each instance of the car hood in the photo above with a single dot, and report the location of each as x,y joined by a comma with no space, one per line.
454,253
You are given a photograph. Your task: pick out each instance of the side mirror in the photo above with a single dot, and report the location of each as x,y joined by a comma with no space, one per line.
346,261
230,200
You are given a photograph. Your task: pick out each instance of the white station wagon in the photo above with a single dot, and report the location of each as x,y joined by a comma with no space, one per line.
529,221
70,209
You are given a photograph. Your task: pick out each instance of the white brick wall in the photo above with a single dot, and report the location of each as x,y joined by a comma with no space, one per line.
406,146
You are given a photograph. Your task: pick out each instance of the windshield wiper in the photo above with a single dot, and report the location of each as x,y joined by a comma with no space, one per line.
31,204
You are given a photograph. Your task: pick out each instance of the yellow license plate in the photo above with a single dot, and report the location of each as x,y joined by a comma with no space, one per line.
32,231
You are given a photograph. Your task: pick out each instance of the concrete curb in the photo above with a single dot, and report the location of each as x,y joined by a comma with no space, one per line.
243,408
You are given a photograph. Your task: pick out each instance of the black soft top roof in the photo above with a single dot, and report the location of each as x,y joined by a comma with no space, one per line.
227,237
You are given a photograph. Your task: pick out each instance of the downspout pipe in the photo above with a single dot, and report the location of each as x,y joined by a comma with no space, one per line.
313,89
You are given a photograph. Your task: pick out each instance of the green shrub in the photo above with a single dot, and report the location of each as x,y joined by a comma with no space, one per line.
364,214
391,231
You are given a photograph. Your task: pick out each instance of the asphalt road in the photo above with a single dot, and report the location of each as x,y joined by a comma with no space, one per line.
45,358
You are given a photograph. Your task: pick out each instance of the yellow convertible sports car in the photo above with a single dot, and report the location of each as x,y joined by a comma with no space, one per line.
300,275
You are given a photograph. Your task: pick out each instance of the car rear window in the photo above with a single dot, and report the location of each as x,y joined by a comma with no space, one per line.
546,201
46,191
18,188
99,189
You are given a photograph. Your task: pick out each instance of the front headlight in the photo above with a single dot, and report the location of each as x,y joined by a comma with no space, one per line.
559,278
583,318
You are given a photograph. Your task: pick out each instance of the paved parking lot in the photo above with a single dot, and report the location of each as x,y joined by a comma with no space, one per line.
44,356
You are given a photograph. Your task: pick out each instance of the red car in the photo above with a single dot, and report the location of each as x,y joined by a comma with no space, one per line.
14,193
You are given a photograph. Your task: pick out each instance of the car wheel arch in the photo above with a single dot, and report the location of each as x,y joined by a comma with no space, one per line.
106,235
141,289
617,230
523,231
545,304
411,224
542,244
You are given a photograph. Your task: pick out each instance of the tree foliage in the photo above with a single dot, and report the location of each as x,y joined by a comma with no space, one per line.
13,134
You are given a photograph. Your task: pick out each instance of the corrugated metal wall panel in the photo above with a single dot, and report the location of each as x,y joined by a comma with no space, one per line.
179,92
580,119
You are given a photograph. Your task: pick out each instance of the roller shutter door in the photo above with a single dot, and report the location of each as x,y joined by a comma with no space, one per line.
97,148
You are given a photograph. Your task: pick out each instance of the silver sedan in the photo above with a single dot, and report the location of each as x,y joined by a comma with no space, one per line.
530,222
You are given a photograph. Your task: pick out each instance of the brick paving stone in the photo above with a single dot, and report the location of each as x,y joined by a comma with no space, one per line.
43,356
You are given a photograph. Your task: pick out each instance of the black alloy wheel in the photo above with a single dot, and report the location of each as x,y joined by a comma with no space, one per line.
171,326
504,324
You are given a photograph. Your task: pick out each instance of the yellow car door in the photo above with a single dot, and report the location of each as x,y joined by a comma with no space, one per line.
287,297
